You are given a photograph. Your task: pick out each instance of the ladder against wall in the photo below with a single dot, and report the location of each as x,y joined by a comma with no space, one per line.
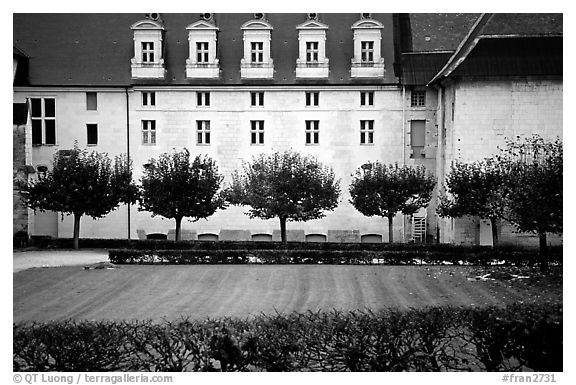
419,227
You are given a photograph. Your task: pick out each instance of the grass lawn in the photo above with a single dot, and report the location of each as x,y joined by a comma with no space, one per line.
199,291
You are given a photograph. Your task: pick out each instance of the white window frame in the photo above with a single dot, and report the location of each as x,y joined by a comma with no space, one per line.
312,130
149,132
367,51
87,136
367,132
257,52
203,133
418,98
312,51
43,118
256,132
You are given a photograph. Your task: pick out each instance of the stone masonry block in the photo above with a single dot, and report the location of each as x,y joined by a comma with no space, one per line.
234,235
343,235
185,235
291,236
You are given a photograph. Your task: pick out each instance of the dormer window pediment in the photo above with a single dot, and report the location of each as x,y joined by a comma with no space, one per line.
147,24
312,24
202,61
257,24
368,23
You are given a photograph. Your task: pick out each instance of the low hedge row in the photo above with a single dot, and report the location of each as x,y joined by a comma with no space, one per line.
388,257
519,337
153,244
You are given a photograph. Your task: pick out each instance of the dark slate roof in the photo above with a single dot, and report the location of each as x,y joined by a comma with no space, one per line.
514,55
420,68
96,49
525,24
439,31
19,113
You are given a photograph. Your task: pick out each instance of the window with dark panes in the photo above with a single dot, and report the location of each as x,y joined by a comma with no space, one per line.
257,52
43,116
203,131
367,98
92,134
147,52
202,52
312,98
418,98
149,132
312,51
367,51
312,131
366,132
257,99
257,132
203,99
148,98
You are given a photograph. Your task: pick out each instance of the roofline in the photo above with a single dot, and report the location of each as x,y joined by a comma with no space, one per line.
471,38
533,35
427,52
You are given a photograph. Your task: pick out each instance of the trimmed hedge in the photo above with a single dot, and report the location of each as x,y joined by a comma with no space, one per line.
153,244
519,337
275,256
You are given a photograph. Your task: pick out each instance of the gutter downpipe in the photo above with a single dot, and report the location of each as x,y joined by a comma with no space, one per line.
440,169
128,144
403,149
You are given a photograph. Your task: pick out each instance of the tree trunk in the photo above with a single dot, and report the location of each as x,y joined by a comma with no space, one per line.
543,252
178,228
390,229
283,229
77,230
493,224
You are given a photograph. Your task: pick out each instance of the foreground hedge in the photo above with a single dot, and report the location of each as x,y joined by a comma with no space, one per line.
519,337
390,257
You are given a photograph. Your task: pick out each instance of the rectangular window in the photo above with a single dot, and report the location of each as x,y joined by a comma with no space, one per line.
257,131
149,132
418,98
203,132
147,52
256,99
312,98
312,51
203,99
91,101
366,132
43,116
367,51
312,131
148,98
202,52
417,138
366,98
91,134
257,52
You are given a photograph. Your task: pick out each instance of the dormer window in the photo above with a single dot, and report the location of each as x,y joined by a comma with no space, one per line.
202,61
367,61
257,62
312,61
148,61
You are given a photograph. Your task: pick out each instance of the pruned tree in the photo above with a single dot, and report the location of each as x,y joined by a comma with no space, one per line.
384,190
82,183
475,189
285,185
175,187
534,187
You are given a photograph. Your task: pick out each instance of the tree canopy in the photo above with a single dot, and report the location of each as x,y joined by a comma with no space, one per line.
384,190
475,189
285,185
175,187
82,183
